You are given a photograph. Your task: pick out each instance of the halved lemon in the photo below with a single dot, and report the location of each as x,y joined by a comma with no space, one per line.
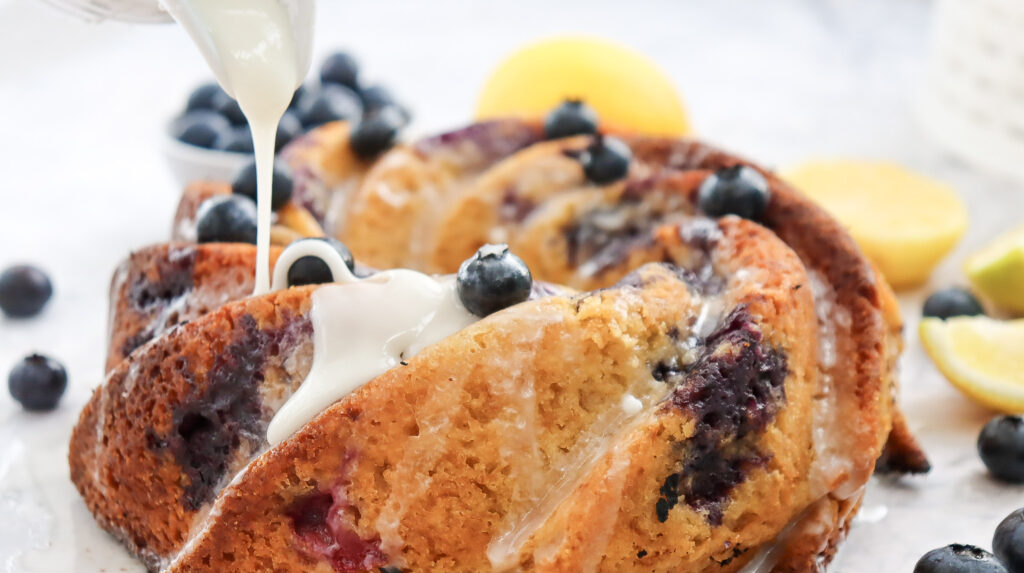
997,271
905,222
628,90
981,356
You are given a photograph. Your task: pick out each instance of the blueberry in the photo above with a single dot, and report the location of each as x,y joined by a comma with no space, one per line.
288,129
737,190
282,187
606,160
238,140
375,98
37,383
329,103
951,302
227,219
206,97
572,117
24,291
312,270
200,128
493,279
340,68
300,93
376,133
228,107
958,558
1001,447
1008,543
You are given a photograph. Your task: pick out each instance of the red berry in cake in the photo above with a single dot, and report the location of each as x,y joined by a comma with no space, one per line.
311,270
24,291
340,68
1008,543
377,132
572,117
206,97
330,102
282,186
227,219
952,302
606,160
1001,447
37,383
737,190
493,279
201,128
957,558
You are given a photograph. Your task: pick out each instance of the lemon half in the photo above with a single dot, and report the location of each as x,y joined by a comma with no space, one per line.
905,222
981,356
628,91
997,271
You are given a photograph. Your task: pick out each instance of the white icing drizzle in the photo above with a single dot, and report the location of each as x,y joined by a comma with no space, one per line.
260,51
833,460
363,328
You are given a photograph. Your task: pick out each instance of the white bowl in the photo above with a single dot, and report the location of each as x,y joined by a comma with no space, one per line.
190,163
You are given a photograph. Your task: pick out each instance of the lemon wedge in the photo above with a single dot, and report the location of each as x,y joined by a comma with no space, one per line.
981,356
997,271
905,222
628,91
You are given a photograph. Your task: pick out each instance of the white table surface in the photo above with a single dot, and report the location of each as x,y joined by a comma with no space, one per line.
82,182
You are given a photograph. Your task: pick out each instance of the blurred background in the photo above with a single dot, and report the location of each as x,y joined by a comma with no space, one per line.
84,108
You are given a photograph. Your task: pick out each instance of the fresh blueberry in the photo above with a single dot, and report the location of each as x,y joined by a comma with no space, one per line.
493,279
340,68
287,129
206,97
572,117
376,97
312,270
227,219
300,93
606,160
282,187
1008,543
238,140
376,133
1001,447
37,383
951,302
329,103
24,291
201,128
229,108
958,558
737,190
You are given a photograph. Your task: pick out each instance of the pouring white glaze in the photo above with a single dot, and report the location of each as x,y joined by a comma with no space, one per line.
363,328
260,52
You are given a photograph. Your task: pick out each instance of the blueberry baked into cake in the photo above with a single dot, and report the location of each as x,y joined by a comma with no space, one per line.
594,352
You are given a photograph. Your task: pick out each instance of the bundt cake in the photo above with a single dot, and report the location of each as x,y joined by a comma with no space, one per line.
706,392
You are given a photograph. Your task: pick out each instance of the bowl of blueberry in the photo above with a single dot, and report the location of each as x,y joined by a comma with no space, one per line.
210,139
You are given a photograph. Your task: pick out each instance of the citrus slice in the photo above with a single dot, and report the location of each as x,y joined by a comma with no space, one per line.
905,222
997,271
981,356
628,91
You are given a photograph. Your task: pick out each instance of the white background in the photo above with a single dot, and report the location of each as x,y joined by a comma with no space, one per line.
82,182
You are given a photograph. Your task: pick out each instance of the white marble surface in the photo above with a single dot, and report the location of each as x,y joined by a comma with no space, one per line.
82,182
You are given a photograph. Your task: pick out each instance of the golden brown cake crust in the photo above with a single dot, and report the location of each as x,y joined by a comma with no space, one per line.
803,342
